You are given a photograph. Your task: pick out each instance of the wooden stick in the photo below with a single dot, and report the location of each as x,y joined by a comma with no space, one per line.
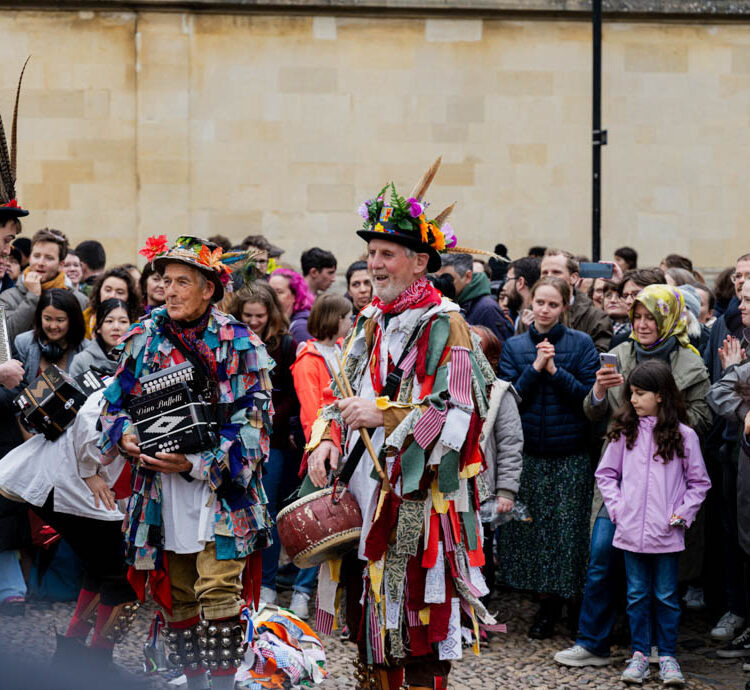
345,387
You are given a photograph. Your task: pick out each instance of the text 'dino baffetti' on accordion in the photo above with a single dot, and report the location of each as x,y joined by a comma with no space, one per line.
170,415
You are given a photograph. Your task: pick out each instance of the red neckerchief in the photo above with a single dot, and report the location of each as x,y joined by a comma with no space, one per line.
419,294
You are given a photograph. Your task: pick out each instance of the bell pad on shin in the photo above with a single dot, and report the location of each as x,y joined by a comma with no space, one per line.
222,645
184,646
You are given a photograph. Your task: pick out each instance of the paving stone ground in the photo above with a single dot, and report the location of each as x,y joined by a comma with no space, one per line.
510,661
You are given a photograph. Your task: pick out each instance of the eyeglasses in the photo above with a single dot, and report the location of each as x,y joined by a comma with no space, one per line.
737,277
630,296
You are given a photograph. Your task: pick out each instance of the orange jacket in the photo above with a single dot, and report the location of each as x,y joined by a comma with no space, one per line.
312,381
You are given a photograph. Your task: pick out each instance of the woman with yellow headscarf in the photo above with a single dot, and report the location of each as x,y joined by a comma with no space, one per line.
659,321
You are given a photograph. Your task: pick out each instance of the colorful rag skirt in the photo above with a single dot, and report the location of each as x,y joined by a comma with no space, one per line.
551,553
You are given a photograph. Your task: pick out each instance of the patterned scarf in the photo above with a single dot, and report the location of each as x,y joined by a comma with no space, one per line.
191,337
667,306
420,293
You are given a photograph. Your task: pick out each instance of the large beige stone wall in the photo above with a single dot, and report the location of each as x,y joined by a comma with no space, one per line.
141,123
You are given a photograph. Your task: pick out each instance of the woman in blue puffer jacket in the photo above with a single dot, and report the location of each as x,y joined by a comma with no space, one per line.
552,368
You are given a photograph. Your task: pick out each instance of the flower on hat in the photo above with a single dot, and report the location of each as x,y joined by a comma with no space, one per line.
155,246
424,230
211,259
450,237
439,243
415,207
363,210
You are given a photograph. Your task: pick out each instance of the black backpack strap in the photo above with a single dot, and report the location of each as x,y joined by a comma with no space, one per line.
390,390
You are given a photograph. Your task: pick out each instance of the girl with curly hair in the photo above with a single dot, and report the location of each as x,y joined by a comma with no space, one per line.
653,481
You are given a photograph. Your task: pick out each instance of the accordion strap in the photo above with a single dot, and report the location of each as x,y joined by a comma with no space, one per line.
201,368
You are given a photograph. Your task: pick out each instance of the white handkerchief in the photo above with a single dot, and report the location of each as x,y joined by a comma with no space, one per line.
393,608
434,586
477,579
326,590
450,647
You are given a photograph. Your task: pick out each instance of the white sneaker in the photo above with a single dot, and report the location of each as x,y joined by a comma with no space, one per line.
637,670
267,595
669,671
300,604
746,667
727,627
694,598
580,656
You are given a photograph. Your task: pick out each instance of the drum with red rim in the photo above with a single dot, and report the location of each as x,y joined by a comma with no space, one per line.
314,528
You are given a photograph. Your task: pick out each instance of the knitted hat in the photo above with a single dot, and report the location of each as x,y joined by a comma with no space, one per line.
9,207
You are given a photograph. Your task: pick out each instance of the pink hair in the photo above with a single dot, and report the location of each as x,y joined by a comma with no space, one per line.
303,298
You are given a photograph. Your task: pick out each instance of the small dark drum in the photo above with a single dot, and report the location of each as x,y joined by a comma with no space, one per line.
314,529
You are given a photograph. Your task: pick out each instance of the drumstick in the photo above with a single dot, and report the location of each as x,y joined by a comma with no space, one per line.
345,387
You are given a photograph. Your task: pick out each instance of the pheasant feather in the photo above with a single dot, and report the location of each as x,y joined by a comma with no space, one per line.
6,174
13,129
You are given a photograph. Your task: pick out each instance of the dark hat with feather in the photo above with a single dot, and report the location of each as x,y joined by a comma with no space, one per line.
403,221
9,207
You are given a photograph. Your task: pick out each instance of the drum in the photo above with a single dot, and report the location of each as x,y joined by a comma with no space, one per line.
314,529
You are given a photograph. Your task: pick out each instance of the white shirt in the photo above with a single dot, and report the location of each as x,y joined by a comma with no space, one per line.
37,466
187,510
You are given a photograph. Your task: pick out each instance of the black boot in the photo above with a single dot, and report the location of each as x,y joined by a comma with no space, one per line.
100,662
69,652
546,618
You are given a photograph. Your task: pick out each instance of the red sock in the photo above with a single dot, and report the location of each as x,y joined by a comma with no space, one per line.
106,617
80,624
181,625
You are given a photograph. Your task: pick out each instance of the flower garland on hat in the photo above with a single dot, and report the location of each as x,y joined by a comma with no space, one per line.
193,250
406,216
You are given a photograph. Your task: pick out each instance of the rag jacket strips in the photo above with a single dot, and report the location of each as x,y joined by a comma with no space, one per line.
423,540
232,469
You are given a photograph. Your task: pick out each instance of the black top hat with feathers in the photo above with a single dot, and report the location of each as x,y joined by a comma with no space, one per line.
9,207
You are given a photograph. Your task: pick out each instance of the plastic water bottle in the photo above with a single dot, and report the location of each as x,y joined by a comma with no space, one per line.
518,512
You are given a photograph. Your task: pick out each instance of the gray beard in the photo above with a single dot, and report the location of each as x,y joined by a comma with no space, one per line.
390,293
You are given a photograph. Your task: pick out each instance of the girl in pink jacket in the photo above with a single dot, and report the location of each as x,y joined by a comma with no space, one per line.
653,481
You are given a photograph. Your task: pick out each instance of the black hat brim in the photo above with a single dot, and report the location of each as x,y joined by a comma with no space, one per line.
160,262
9,212
407,241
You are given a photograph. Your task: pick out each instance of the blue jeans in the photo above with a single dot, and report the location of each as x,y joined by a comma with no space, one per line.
12,583
272,483
598,607
652,590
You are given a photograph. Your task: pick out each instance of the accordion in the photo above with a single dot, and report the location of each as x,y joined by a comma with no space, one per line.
50,404
170,416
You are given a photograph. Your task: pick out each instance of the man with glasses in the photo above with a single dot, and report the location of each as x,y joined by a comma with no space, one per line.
722,461
520,278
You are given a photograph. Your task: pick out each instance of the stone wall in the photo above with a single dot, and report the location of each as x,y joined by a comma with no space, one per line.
139,123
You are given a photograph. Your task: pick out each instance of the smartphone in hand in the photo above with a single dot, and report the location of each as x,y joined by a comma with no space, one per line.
609,361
